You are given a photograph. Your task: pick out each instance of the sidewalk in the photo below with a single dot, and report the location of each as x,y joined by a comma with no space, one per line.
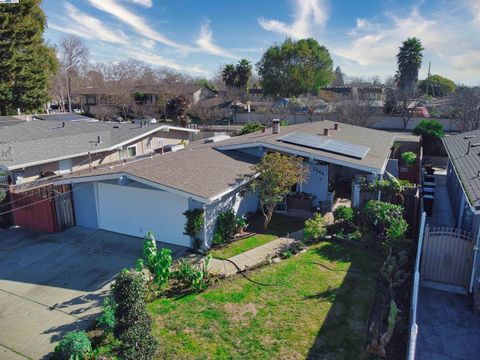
252,257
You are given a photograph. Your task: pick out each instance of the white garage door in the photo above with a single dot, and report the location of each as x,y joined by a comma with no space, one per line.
134,211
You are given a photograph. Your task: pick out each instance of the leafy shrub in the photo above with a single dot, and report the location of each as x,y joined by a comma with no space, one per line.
194,276
343,214
158,262
106,321
429,129
409,158
250,127
225,228
133,323
384,221
288,250
194,224
315,228
241,223
284,122
75,345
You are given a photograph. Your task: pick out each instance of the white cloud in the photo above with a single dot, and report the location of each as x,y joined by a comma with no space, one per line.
138,23
475,8
158,60
308,13
205,42
449,40
145,3
84,25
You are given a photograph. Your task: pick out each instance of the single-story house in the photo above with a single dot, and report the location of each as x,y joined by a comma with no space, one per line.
463,185
153,193
38,149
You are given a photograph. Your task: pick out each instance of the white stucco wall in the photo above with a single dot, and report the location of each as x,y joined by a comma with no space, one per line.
317,183
241,201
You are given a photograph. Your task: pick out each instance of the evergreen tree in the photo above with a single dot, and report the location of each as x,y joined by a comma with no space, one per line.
27,63
339,77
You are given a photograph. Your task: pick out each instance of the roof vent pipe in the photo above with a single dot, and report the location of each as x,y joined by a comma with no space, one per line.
336,126
63,124
99,139
275,126
325,132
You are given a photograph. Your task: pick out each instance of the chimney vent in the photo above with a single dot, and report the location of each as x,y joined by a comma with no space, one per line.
275,126
325,132
99,139
63,124
336,126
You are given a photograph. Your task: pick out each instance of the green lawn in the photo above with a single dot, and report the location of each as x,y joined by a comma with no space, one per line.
313,312
240,246
280,225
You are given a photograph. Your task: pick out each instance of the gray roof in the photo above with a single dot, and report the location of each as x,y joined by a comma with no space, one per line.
466,165
204,170
9,121
64,117
379,142
37,142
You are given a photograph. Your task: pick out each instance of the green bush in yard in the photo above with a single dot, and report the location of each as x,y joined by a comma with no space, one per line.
409,158
225,228
343,214
106,321
75,345
315,228
132,322
429,129
158,262
250,127
195,276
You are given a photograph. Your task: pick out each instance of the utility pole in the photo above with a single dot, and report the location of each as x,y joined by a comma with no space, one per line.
428,79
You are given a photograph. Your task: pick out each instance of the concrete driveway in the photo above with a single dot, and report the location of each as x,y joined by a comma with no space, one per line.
54,283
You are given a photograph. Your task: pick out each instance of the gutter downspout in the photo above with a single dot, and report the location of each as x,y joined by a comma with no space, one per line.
475,253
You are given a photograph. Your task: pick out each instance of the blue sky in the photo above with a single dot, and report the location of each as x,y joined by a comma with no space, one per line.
198,36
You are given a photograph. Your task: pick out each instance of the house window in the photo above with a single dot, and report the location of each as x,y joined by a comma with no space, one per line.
129,152
148,144
91,99
160,142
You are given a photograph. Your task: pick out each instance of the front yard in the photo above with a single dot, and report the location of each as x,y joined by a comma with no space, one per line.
314,305
280,225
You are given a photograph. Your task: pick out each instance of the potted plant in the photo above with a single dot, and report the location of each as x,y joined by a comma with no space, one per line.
240,224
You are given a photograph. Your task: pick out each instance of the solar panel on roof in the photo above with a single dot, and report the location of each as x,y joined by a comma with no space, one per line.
325,144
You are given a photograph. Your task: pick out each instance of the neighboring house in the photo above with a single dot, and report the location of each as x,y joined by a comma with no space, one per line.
67,117
368,93
151,99
152,194
463,185
38,149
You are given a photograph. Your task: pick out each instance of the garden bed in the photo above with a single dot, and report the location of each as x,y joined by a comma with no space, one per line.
318,307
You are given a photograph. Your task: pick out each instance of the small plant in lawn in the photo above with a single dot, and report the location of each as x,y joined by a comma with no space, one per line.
288,250
132,321
75,345
409,158
106,321
315,228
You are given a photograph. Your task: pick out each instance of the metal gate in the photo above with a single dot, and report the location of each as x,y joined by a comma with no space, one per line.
447,256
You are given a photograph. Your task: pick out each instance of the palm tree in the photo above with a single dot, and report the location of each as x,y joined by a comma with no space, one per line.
409,60
244,73
229,75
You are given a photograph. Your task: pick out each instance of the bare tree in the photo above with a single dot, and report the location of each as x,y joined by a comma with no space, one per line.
207,114
465,108
402,102
73,54
355,112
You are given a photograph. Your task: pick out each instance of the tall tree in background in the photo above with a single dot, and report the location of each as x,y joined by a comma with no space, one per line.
295,67
339,77
229,74
465,108
437,85
74,54
27,63
409,60
244,73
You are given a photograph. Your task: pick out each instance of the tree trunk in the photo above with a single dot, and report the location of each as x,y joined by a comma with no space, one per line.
268,216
